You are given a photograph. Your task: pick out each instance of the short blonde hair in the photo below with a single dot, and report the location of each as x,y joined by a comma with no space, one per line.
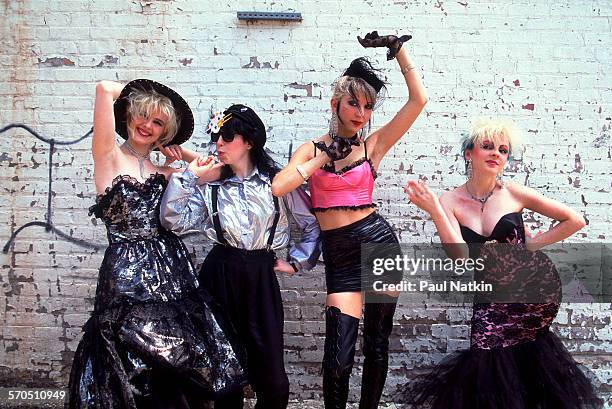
494,130
146,103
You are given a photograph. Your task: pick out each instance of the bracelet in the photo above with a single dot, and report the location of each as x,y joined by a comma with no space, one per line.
407,68
292,264
302,172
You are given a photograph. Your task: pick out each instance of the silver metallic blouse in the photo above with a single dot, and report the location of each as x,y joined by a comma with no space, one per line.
246,213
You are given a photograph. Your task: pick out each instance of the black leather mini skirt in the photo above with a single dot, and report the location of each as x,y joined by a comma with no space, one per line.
347,248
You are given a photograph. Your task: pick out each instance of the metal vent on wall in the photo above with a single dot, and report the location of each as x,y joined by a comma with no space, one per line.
269,15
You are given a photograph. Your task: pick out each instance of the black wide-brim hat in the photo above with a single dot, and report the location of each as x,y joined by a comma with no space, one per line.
183,112
249,116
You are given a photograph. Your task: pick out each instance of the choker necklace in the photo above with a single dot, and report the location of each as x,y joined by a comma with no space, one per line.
141,158
350,140
354,138
481,200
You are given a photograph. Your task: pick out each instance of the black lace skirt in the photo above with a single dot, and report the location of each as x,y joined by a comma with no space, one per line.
174,354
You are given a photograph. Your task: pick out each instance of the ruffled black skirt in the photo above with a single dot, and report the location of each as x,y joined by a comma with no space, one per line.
174,354
539,374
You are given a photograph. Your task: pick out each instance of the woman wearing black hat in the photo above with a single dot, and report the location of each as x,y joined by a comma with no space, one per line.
232,203
340,168
152,340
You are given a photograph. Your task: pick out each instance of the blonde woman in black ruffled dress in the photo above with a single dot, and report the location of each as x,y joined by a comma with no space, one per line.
152,340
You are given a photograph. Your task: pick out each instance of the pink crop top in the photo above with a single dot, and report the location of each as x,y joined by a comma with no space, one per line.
349,188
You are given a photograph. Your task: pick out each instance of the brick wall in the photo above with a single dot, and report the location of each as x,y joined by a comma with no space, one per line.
542,63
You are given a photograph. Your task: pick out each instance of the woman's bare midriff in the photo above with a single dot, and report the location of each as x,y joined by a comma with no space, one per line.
335,218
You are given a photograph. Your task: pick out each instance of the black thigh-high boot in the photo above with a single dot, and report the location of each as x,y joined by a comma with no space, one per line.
340,338
377,326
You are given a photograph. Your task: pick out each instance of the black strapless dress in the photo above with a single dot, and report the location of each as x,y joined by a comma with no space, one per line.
154,339
515,361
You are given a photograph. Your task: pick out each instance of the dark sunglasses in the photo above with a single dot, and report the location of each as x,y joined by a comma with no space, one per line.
226,138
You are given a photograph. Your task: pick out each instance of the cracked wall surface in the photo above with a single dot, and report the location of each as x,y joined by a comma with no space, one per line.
544,64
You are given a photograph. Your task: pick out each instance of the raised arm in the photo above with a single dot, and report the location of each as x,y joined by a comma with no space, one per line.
103,146
570,221
290,178
388,135
177,152
183,207
440,211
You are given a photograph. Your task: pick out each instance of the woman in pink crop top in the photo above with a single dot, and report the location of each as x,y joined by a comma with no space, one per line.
340,167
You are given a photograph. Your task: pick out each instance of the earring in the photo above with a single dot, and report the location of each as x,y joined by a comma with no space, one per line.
333,125
468,168
500,179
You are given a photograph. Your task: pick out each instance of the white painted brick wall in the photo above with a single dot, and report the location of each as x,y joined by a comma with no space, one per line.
545,64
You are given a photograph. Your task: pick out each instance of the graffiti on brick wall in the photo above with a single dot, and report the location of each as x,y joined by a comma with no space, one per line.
48,223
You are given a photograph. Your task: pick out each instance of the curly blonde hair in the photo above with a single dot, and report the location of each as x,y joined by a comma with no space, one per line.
145,103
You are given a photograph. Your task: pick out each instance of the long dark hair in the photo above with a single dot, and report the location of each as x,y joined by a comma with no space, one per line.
258,155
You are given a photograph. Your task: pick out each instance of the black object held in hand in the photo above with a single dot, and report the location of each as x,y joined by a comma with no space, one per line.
392,42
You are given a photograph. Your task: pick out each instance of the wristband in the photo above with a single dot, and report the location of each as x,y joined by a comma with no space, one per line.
302,172
407,68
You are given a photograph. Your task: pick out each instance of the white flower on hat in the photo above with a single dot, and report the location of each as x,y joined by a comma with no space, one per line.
216,122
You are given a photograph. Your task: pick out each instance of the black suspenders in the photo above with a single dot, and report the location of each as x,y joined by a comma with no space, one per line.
215,215
217,224
274,222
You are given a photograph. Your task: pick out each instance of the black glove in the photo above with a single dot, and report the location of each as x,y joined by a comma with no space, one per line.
393,43
339,148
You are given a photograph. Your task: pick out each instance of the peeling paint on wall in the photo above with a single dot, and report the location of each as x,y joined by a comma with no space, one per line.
56,62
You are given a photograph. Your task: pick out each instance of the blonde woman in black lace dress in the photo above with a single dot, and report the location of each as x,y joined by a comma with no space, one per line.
152,340
515,361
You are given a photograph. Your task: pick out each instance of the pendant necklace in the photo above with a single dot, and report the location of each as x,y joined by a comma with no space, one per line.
481,200
141,158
